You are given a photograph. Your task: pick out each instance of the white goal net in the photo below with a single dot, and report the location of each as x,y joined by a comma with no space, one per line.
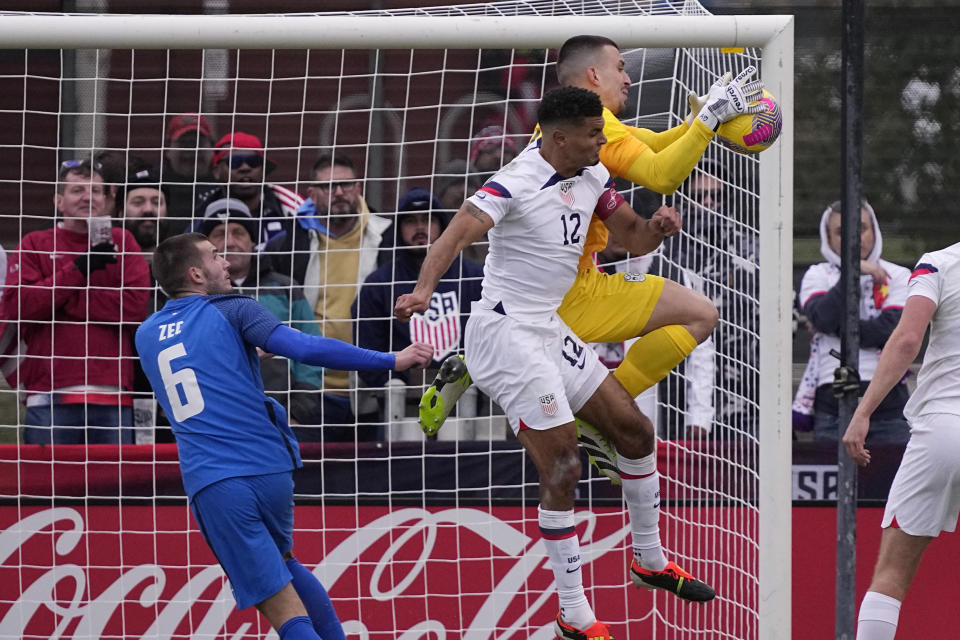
406,109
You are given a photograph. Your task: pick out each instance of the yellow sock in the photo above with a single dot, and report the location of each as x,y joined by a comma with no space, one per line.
652,357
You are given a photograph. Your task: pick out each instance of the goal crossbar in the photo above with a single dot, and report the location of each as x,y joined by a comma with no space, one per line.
60,31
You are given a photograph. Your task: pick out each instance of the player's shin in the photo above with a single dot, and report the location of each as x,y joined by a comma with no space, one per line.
641,490
298,628
652,357
563,548
878,617
317,602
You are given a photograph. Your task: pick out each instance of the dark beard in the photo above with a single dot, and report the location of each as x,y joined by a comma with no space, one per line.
145,236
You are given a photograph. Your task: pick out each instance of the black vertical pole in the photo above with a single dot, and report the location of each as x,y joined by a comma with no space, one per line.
852,134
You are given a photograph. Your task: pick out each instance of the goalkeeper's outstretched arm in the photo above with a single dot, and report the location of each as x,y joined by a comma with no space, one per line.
467,227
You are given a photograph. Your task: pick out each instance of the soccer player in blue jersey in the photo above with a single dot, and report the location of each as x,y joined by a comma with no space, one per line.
237,452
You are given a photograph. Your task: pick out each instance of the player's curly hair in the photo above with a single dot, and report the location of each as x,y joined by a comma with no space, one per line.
568,104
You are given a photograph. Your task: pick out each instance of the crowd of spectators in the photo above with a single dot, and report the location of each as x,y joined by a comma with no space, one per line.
76,292
331,264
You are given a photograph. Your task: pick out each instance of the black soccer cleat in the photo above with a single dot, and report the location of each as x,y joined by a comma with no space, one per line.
673,579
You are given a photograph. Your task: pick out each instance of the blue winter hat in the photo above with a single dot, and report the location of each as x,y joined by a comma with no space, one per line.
418,199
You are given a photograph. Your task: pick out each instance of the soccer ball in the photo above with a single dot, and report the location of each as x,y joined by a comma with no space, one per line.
753,132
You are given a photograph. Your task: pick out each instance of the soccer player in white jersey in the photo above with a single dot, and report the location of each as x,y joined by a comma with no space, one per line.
537,210
925,496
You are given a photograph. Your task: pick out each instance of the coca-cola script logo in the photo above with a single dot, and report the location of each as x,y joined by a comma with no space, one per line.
406,573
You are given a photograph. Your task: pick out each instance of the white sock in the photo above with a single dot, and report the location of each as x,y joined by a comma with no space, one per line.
563,548
641,490
878,617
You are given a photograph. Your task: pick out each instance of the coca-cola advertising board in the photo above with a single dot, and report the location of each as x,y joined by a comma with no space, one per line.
99,572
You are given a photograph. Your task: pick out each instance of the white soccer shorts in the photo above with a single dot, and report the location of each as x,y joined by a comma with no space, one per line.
540,375
925,495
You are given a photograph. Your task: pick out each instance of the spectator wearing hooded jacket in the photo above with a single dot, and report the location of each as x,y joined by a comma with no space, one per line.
419,223
883,292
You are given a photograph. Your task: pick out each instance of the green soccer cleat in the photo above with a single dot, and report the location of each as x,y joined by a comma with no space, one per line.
600,451
438,401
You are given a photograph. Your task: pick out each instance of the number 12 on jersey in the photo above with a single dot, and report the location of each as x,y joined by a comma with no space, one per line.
185,378
571,228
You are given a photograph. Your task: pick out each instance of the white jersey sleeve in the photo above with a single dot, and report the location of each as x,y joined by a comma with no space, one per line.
493,198
937,277
925,279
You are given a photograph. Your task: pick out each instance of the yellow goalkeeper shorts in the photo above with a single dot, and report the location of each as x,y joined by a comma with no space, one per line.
602,307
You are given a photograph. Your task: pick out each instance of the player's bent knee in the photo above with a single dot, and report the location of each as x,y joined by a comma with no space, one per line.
705,319
636,439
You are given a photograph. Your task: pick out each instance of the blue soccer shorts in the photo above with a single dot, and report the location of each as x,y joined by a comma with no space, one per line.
248,523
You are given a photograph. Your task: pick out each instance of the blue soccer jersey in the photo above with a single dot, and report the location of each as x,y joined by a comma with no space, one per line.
199,353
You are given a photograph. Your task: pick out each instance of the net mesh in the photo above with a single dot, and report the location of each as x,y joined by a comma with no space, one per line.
413,538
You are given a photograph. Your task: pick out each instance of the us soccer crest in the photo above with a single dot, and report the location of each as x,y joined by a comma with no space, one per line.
566,192
548,403
439,325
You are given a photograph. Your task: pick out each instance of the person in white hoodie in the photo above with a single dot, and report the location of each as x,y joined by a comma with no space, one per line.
883,292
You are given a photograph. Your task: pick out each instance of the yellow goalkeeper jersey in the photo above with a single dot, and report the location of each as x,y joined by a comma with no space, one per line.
657,161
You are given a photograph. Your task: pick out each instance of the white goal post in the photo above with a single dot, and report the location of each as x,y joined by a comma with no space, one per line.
770,35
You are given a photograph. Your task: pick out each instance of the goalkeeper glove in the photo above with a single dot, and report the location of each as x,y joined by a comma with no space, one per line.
696,102
728,99
99,257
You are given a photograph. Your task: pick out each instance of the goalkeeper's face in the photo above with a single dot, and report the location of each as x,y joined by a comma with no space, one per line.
613,83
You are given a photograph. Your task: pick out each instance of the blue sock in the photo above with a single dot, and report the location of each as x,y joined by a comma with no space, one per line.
298,628
317,602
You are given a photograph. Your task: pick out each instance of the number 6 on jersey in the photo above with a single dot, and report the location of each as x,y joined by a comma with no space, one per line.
184,378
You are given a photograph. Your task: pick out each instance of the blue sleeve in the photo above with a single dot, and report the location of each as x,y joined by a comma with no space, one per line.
875,333
250,318
326,352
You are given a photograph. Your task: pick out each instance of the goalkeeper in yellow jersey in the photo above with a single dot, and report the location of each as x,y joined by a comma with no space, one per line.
669,319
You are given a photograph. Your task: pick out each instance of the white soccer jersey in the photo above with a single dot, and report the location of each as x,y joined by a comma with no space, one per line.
937,277
540,221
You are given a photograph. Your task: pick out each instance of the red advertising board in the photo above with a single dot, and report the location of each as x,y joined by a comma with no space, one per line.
403,572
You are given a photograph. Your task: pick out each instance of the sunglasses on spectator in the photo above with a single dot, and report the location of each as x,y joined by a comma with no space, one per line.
73,164
343,185
79,166
252,160
700,195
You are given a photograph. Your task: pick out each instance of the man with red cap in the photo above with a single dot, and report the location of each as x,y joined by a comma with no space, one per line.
187,170
240,166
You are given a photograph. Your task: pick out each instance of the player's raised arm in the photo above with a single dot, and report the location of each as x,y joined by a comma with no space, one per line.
642,235
467,227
